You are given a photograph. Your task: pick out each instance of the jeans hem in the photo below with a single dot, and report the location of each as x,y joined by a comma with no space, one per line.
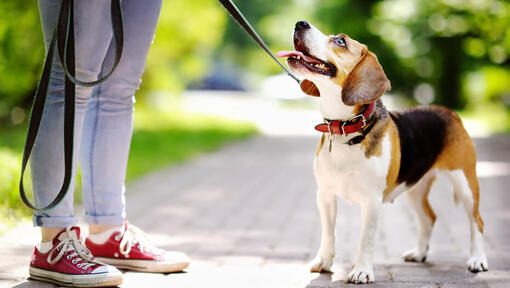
54,222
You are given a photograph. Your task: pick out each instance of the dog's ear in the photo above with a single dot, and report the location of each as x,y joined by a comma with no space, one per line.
366,82
309,88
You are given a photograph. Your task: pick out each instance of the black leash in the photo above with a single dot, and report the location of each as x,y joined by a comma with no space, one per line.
63,37
238,16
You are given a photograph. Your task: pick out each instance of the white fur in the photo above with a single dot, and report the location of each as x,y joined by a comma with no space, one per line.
415,196
344,172
332,106
478,260
348,173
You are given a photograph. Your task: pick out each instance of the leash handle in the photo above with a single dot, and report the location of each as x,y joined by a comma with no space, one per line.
238,16
63,38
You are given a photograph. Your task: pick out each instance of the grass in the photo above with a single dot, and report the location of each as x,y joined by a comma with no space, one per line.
168,137
160,138
493,117
11,207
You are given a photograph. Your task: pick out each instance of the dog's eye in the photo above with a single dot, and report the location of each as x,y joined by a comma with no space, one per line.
340,41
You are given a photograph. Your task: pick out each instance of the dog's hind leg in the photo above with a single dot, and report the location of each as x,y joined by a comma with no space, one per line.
327,204
418,198
465,186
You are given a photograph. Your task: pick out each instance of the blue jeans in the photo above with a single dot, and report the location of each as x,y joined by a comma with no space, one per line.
104,114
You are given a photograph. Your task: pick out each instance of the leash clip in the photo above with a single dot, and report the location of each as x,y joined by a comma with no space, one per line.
331,136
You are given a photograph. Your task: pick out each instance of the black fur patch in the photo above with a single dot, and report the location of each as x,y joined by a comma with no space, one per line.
422,133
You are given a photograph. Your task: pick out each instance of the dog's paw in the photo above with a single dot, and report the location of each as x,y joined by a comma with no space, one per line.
361,275
320,264
415,255
477,264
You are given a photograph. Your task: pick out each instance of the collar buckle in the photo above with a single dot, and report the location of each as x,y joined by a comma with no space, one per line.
363,119
350,120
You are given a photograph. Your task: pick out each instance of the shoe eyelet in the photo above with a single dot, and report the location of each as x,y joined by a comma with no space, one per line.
68,257
79,265
74,261
117,238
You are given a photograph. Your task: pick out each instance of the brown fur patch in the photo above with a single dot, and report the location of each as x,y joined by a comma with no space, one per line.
372,144
394,168
357,109
366,82
308,87
425,202
319,147
475,189
346,59
459,153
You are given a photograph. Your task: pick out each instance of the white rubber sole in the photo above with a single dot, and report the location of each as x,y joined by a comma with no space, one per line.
150,266
76,280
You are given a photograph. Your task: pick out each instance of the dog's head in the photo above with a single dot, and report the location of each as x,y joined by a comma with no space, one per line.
326,62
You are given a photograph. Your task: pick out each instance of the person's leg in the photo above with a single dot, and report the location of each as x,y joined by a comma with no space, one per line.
62,257
92,38
105,149
108,122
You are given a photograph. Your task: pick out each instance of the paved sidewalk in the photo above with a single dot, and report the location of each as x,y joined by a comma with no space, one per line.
247,217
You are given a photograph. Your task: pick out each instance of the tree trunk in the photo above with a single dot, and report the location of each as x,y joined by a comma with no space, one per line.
449,84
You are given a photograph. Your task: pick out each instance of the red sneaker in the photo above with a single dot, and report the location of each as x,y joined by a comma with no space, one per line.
70,263
130,250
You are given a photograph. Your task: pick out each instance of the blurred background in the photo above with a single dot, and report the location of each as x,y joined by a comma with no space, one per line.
449,52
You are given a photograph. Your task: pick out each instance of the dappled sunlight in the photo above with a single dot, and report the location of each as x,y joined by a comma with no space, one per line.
269,113
486,169
476,128
222,154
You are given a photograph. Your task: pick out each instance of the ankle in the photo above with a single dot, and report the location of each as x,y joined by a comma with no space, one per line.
48,233
98,229
101,238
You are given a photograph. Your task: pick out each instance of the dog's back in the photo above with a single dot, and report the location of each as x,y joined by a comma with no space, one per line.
423,136
433,137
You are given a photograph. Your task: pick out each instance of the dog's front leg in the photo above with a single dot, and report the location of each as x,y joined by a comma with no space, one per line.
362,271
326,202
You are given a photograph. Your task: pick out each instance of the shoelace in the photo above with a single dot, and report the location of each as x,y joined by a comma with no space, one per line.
73,244
131,237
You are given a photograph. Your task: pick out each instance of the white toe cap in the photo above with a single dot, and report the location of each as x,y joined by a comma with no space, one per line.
111,270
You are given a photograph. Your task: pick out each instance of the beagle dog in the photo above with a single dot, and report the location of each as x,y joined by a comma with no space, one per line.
368,155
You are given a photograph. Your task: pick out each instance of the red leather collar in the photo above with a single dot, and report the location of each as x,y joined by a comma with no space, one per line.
351,125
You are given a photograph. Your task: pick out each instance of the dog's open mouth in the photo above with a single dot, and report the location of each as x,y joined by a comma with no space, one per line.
311,63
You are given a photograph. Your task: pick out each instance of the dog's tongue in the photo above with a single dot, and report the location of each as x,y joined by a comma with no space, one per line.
297,53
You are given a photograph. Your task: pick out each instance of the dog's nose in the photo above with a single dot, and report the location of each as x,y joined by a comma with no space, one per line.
302,25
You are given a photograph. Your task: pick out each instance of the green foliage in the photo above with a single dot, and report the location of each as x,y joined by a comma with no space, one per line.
11,143
489,117
436,43
487,84
264,15
441,39
20,63
10,204
167,137
187,34
160,138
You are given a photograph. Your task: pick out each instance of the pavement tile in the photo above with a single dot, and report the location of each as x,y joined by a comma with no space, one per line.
250,220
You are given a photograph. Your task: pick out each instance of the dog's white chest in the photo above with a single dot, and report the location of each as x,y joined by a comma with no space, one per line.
348,173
